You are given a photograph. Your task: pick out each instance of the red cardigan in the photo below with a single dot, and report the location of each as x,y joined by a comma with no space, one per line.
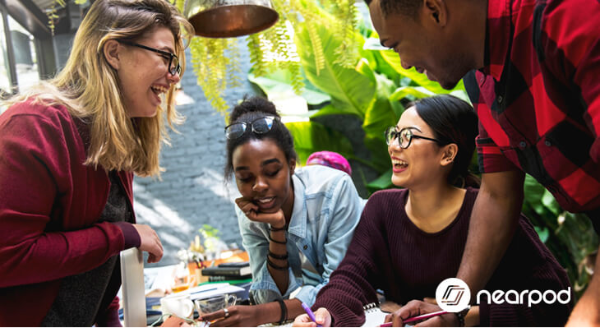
49,206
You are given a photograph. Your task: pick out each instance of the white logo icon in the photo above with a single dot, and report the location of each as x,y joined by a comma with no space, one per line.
453,295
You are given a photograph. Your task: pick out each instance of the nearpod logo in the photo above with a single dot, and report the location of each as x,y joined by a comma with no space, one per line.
453,295
529,297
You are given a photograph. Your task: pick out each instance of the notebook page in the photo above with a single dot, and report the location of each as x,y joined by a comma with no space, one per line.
373,315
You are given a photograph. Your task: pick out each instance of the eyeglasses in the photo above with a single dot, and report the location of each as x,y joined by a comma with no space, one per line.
405,136
259,126
174,67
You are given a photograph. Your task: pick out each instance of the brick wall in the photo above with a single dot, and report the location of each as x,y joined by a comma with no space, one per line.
192,191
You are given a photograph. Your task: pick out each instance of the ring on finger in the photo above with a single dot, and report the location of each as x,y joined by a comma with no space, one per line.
226,313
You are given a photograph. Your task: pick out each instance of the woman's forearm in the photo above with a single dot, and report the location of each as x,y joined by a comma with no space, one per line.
277,262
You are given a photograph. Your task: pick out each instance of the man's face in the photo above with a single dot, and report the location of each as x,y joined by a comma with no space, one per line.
422,42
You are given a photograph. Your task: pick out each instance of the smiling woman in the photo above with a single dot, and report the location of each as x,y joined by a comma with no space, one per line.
68,152
295,223
410,240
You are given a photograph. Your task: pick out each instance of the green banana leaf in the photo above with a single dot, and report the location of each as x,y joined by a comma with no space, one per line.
381,115
329,110
372,49
380,159
383,182
310,137
350,90
417,92
278,84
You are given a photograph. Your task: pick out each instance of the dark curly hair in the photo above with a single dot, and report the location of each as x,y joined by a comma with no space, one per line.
404,7
249,110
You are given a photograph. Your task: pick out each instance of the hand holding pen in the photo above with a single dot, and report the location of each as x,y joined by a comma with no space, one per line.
311,315
417,318
418,311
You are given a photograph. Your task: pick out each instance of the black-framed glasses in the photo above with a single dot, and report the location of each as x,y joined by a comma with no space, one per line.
404,136
174,67
260,125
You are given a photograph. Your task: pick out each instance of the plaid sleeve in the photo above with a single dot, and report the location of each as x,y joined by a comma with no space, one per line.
570,39
490,157
586,77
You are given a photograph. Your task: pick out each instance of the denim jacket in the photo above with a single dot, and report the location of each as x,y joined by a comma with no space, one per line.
326,210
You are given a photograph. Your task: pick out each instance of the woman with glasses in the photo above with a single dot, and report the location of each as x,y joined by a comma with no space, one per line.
409,240
68,152
296,223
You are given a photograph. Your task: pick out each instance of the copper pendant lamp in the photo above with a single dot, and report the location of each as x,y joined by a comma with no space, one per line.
229,18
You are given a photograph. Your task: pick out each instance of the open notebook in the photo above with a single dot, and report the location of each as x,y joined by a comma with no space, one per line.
373,317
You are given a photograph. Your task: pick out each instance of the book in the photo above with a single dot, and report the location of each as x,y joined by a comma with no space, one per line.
227,271
234,264
228,278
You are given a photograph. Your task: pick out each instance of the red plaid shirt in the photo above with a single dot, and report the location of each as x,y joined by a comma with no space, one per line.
538,96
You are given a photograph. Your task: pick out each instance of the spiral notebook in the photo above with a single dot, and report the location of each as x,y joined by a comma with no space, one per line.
374,317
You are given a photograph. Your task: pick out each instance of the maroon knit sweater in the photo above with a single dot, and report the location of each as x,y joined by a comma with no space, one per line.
389,252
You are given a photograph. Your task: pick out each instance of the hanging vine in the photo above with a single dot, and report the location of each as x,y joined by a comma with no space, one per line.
216,62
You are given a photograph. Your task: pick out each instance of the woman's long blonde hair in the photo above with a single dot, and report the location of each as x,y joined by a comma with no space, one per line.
88,86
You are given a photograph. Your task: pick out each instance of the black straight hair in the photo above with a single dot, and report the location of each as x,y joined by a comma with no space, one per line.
453,121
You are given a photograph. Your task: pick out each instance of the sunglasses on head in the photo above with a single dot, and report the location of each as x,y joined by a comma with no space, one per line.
260,125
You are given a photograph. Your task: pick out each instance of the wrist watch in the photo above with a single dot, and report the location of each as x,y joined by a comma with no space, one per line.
460,315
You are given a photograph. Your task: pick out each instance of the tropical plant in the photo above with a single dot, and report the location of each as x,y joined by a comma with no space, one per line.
570,237
318,50
375,90
216,61
372,89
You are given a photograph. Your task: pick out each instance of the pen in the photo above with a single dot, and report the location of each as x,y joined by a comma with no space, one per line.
310,313
417,318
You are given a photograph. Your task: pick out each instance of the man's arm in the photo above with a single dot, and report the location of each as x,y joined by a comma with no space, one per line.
587,310
493,223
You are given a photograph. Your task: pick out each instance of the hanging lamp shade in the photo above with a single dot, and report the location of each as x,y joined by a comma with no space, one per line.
229,18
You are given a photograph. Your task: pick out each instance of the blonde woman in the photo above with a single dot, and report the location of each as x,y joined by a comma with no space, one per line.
68,153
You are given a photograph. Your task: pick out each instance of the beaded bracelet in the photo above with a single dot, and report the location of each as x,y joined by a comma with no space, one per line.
278,256
277,267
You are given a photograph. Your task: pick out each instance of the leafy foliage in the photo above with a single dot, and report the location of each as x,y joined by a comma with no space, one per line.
353,75
375,89
51,12
274,48
570,237
312,136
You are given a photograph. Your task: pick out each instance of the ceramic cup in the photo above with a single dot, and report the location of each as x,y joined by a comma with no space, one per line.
215,303
177,304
